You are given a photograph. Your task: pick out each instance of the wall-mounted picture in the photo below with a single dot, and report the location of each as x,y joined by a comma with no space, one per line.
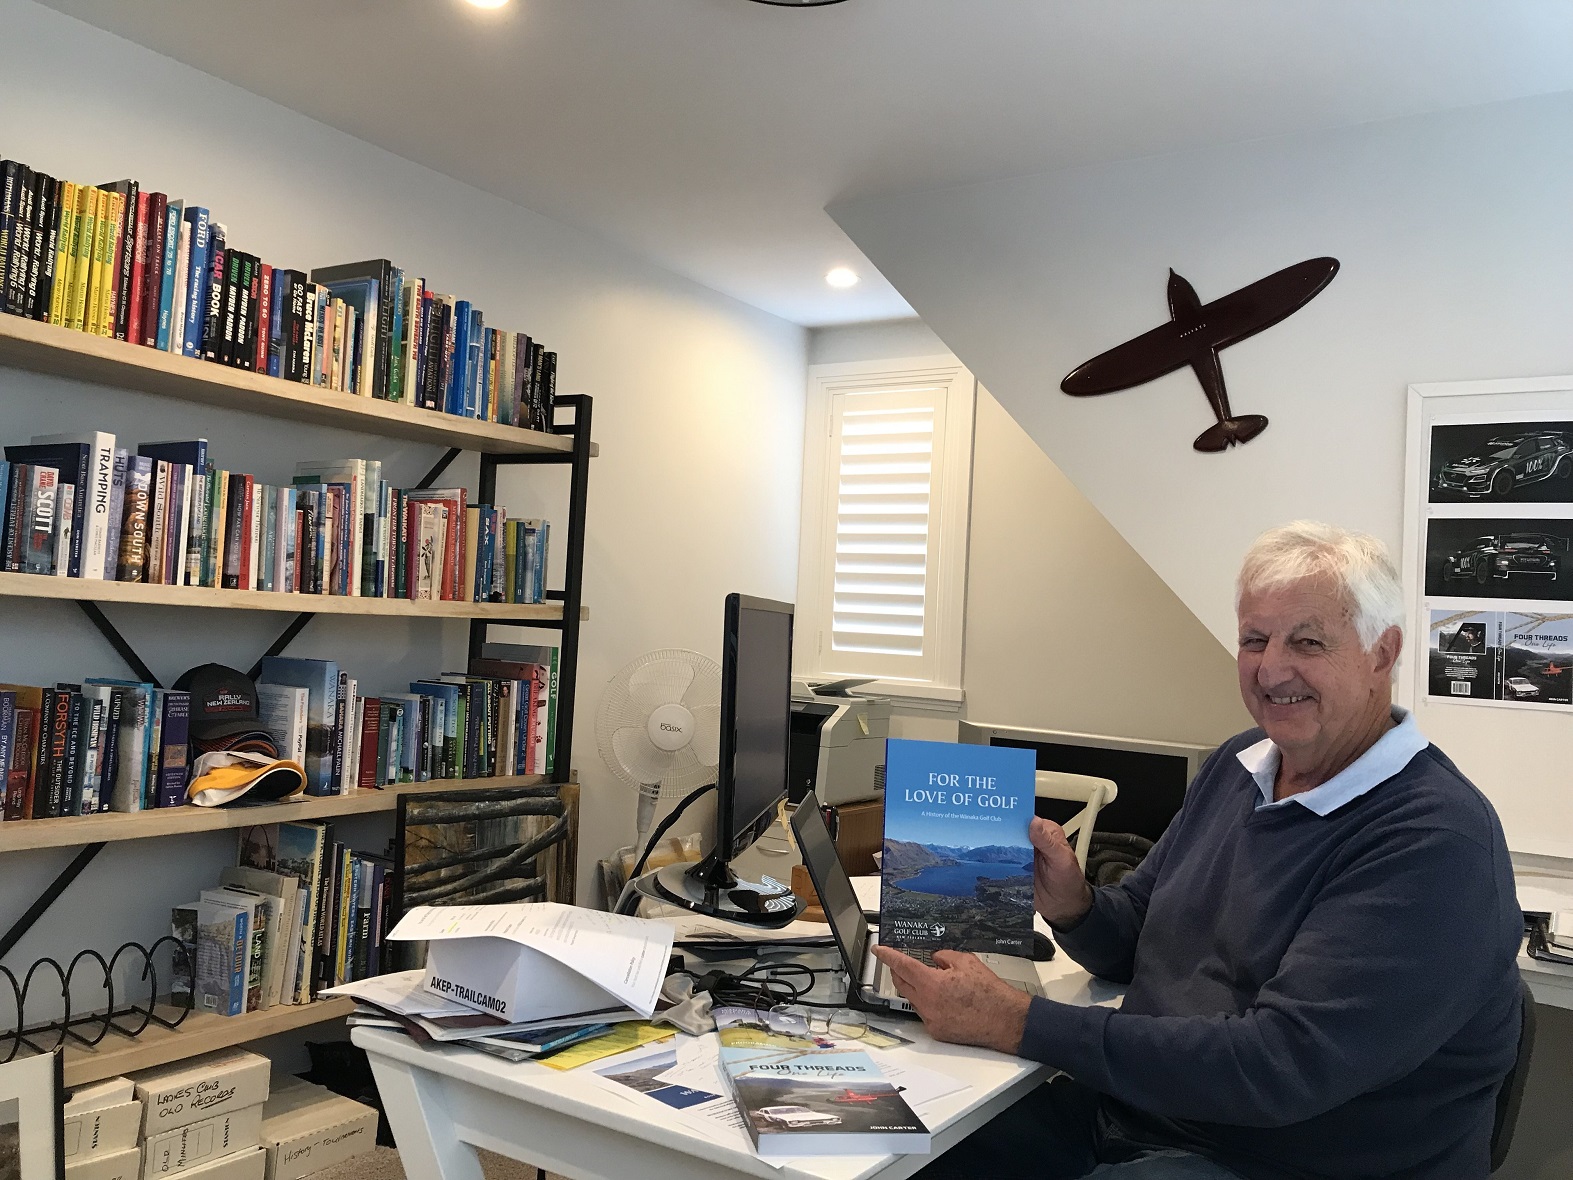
1500,558
1510,462
1463,654
1537,658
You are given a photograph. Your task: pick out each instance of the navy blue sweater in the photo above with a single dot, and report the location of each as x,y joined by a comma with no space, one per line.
1309,996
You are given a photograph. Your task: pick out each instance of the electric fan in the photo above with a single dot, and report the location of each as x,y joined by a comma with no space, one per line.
658,728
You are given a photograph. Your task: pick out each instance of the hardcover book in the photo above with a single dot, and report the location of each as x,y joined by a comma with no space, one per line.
801,1095
957,867
321,679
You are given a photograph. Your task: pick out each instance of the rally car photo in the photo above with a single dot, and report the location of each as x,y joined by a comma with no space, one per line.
1504,556
1506,462
1520,689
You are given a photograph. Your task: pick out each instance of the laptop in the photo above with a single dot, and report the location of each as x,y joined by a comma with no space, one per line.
870,986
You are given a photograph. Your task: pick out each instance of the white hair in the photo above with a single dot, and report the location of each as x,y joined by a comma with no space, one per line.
1357,564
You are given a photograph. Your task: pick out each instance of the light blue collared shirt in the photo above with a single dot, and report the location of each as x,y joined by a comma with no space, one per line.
1392,753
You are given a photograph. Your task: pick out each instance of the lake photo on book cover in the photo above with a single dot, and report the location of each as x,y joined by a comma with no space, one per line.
958,880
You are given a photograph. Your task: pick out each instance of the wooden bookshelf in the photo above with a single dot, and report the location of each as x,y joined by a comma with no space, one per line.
73,830
60,352
93,590
200,1032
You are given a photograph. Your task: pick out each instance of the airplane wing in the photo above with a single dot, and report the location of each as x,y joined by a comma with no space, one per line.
1136,362
1265,302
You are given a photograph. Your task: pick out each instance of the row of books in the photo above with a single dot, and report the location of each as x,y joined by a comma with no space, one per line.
118,261
81,506
101,745
119,745
299,912
497,718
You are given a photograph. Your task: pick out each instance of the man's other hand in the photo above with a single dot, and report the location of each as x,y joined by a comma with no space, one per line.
960,1000
1059,887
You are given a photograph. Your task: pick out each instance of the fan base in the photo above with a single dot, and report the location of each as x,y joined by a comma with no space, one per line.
767,903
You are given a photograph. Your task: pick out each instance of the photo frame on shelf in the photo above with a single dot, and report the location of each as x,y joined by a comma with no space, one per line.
32,1130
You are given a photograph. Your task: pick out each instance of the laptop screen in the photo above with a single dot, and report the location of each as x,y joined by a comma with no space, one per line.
831,882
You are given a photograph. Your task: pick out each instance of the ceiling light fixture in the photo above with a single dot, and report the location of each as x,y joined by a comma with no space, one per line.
488,3
797,3
841,277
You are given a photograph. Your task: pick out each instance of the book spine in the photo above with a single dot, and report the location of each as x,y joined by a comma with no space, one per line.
134,522
198,269
65,257
125,257
38,556
117,508
21,246
218,268
170,272
19,778
48,300
172,761
137,243
59,741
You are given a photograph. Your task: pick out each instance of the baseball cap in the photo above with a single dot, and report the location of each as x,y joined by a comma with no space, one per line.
222,777
224,709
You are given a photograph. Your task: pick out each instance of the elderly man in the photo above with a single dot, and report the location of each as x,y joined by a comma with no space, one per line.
1319,954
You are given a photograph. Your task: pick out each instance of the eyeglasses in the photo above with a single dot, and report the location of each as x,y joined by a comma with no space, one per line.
845,1024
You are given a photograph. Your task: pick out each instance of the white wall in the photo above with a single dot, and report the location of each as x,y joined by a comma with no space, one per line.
698,410
1455,243
1066,626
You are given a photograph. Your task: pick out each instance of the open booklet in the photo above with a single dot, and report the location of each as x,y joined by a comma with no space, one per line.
528,961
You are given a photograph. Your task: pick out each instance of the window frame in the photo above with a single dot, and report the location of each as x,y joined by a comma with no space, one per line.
950,514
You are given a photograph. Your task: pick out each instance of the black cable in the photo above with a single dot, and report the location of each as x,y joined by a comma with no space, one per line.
664,825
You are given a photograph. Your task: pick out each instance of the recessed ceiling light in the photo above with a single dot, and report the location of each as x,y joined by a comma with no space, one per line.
842,276
488,3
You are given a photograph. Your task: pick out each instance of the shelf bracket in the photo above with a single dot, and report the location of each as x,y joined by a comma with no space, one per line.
48,897
286,637
439,467
118,642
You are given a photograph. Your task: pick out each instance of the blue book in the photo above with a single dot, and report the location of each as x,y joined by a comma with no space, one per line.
166,291
448,696
956,873
475,365
320,679
461,356
223,958
197,281
281,285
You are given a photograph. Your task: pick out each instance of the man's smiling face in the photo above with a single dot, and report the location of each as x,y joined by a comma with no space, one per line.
1304,676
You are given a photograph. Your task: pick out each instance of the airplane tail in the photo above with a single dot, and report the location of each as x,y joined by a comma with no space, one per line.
1229,432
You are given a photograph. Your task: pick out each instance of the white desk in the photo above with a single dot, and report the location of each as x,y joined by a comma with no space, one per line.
444,1103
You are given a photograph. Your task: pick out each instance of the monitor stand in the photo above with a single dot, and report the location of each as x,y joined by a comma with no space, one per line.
767,903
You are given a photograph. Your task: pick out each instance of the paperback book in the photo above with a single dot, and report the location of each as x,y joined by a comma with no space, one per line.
800,1094
956,873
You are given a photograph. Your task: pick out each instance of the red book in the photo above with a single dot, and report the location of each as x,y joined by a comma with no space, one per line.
153,272
263,317
367,776
138,248
19,775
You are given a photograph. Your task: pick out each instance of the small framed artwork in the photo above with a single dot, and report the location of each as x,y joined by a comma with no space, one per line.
31,1130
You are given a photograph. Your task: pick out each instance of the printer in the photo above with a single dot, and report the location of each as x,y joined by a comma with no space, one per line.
838,743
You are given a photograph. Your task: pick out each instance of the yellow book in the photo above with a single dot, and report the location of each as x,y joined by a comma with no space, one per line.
65,257
82,247
113,206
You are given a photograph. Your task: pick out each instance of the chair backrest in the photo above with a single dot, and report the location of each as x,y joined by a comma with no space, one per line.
1511,1096
1096,793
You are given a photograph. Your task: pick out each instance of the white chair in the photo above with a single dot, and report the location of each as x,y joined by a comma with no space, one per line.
1096,793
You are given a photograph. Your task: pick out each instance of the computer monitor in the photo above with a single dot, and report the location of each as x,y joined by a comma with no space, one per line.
1152,776
755,738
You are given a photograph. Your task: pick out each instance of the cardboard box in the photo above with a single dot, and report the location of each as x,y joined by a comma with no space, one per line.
307,1128
99,1132
125,1164
181,1148
98,1095
188,1091
251,1164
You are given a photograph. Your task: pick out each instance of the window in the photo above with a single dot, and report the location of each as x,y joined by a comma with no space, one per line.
887,481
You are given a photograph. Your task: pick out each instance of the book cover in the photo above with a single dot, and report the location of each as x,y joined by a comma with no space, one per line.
321,679
184,924
132,561
284,710
127,789
957,867
174,750
169,272
222,946
94,453
38,524
65,506
117,511
198,266
65,257
176,342
801,1094
372,288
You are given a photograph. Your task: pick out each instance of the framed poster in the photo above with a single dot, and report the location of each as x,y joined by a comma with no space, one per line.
32,1143
1488,576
